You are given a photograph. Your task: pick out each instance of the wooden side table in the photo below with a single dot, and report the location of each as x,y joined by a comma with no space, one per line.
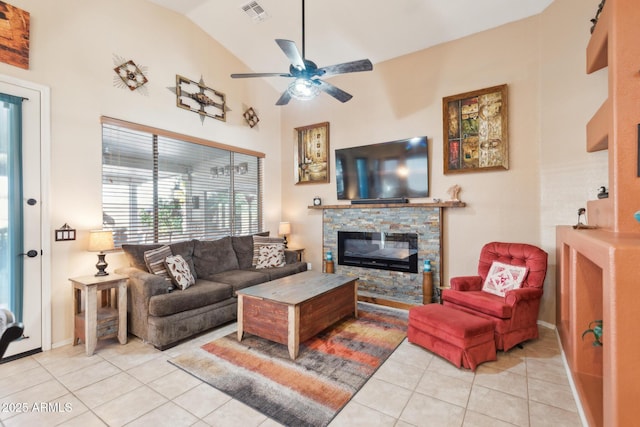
427,287
107,321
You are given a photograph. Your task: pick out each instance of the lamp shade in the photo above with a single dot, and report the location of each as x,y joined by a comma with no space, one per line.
100,240
284,228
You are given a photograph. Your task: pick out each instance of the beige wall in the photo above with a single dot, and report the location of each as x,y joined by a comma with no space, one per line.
72,48
569,175
542,61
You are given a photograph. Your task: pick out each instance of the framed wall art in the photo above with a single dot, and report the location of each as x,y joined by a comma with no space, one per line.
475,131
14,35
311,157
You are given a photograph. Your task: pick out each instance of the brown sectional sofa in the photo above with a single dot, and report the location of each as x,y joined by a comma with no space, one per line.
220,267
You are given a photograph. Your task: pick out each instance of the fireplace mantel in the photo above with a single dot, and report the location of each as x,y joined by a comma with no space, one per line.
449,204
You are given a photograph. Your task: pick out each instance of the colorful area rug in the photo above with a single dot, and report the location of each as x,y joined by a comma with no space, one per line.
311,390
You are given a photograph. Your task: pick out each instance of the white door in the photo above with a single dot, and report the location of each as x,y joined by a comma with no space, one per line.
32,222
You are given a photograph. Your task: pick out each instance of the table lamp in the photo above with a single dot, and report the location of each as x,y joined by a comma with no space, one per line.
283,230
100,241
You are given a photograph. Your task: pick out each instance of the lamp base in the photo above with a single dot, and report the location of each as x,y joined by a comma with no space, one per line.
285,241
101,265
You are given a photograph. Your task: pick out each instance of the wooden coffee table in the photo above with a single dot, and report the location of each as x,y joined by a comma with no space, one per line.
293,309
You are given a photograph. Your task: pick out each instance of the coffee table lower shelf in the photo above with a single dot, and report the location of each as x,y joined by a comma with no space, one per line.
291,323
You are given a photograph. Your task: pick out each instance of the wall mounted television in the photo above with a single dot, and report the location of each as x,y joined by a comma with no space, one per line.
388,170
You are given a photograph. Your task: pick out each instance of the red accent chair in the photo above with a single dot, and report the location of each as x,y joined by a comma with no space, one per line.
515,315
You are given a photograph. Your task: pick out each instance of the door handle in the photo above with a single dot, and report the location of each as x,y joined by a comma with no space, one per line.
31,254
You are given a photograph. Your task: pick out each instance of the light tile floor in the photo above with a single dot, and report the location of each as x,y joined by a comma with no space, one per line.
134,385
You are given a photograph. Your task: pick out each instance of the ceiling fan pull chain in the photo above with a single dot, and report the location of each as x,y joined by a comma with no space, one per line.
303,52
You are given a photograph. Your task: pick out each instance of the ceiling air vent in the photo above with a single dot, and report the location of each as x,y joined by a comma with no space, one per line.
255,11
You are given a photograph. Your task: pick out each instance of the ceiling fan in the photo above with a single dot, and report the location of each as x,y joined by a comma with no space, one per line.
307,83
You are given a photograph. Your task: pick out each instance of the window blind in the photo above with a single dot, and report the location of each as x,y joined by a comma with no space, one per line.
163,189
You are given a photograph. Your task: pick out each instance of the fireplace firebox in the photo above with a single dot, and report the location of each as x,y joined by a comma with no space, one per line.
380,250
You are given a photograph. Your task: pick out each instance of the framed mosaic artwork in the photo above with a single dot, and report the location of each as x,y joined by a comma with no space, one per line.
475,131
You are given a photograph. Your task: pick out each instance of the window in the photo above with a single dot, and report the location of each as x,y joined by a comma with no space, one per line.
161,187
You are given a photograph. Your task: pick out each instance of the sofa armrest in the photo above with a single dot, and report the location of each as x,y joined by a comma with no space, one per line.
466,283
290,257
515,296
142,286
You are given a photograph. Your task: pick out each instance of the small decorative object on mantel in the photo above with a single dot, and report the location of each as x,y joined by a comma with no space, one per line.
594,21
197,97
580,224
317,201
65,233
251,117
129,75
14,36
603,193
453,192
475,131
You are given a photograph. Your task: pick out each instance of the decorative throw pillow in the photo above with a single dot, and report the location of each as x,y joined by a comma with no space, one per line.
260,241
179,271
271,256
504,277
155,260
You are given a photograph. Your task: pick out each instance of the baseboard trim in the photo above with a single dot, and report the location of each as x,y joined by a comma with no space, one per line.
574,390
547,324
387,302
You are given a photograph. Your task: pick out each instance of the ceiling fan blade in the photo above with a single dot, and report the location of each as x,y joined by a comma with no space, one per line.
284,99
289,48
347,67
337,93
248,75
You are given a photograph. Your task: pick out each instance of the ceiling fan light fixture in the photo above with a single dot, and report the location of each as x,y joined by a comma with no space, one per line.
303,89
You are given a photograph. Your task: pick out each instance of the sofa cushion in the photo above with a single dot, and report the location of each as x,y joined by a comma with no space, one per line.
271,256
504,277
260,241
214,256
243,246
155,259
285,270
179,271
135,253
201,294
240,279
479,301
185,250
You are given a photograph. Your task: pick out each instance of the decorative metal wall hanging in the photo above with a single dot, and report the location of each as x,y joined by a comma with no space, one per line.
197,97
251,117
14,36
65,233
130,75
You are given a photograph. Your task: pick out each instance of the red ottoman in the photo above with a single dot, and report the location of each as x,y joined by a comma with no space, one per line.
461,338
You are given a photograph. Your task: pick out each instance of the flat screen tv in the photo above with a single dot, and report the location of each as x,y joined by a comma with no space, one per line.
388,170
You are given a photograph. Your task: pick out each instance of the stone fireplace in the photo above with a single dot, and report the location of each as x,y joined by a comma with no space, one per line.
385,286
379,250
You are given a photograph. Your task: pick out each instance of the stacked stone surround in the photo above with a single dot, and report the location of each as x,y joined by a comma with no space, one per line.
382,284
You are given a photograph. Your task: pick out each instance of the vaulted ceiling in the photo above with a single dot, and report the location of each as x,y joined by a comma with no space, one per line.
344,30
